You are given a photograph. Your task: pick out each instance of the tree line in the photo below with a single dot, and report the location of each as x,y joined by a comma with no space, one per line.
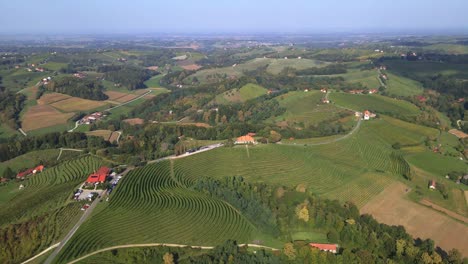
131,77
84,88
11,105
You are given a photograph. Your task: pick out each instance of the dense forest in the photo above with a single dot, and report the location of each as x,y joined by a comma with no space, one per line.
84,88
130,77
18,146
11,105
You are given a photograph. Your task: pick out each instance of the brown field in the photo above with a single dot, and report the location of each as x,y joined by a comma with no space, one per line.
443,210
105,134
140,91
41,116
113,95
113,137
51,98
134,121
77,104
194,124
126,98
458,133
391,207
153,68
191,67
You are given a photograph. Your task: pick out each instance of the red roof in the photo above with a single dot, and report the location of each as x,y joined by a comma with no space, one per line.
24,173
245,139
99,176
325,247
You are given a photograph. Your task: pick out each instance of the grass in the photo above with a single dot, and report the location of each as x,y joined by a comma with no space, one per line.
149,206
6,131
153,82
401,86
426,69
375,103
246,92
436,163
368,78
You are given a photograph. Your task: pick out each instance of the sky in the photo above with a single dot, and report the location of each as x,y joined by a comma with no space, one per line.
222,16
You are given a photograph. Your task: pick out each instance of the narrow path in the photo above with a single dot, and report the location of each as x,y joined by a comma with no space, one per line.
122,104
76,126
42,253
22,132
86,214
67,149
164,245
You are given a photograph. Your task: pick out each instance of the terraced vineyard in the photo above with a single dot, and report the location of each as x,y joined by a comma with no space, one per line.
47,190
150,205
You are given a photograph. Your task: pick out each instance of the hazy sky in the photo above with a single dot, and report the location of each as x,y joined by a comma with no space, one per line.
219,16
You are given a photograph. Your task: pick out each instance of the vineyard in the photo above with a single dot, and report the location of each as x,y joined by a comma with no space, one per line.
151,205
47,190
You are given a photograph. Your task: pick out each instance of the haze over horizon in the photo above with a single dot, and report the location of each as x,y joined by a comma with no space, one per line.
243,16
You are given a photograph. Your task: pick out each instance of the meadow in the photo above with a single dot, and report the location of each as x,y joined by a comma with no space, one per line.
239,95
426,69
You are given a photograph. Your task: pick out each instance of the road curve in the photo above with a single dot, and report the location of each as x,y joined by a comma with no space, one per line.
164,245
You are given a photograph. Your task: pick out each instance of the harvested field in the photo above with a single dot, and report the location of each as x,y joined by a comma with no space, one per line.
51,98
126,98
40,116
105,134
114,136
443,210
134,121
113,95
458,133
77,104
191,67
391,207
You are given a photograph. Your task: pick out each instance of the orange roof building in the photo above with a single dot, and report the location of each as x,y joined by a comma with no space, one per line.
325,247
98,176
245,140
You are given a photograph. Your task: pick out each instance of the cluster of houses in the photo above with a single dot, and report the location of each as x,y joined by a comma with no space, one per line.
79,75
91,118
23,174
45,81
362,91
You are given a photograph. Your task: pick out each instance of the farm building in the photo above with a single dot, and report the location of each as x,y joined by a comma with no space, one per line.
323,90
368,115
99,176
23,174
325,101
432,185
325,247
91,118
373,91
245,140
356,91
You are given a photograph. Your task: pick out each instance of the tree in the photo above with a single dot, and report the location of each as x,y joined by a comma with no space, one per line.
289,251
400,247
454,256
8,173
302,212
168,258
333,236
426,258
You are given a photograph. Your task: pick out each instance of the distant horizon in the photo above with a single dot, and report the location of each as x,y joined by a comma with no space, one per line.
51,17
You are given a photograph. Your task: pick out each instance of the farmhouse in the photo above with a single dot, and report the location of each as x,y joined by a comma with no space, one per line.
79,75
323,90
356,91
325,101
91,118
373,91
99,176
325,247
368,115
23,174
432,185
247,139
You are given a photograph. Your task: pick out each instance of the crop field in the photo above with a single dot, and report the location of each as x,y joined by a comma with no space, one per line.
246,92
150,206
114,95
74,104
374,103
126,98
50,98
368,78
41,116
47,190
391,207
306,108
153,82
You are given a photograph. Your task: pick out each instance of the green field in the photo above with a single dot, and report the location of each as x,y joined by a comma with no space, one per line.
153,82
246,92
426,69
29,159
369,78
401,86
306,108
375,103
151,205
437,164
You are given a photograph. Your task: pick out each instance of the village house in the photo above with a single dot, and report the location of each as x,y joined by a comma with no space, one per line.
323,90
373,91
79,75
333,248
306,90
88,119
356,91
368,115
99,176
432,185
325,100
23,174
247,139
382,67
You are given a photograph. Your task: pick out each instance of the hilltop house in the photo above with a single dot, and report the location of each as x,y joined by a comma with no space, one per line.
88,119
368,115
333,248
99,176
373,91
23,174
247,139
432,185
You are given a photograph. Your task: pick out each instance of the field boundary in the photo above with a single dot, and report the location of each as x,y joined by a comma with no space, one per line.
41,253
163,245
447,212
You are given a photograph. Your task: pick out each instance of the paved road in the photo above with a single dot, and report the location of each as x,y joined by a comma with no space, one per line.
86,214
162,244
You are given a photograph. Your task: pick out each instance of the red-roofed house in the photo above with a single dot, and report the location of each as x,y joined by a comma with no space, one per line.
245,140
367,115
373,91
432,185
325,247
23,174
99,176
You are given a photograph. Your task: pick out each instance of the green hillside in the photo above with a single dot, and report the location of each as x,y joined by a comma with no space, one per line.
246,92
150,205
375,103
